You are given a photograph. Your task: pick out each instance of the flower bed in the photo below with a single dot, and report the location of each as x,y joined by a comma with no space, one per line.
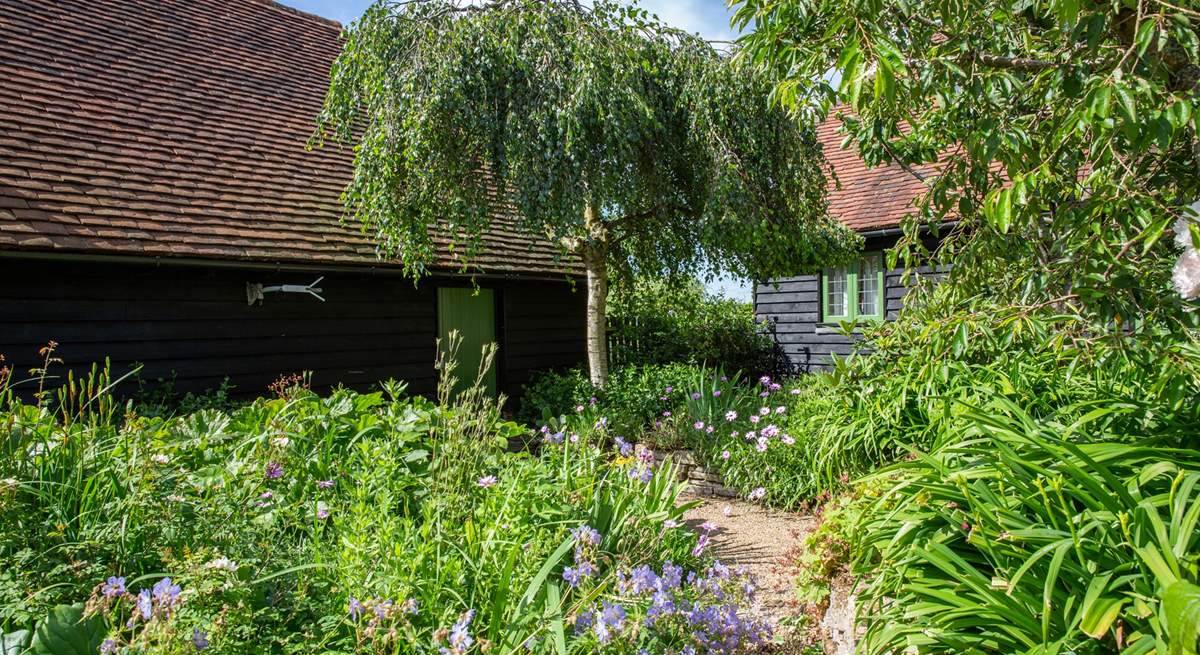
354,523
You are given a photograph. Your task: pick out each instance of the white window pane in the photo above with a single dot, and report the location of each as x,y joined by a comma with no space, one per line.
835,292
868,287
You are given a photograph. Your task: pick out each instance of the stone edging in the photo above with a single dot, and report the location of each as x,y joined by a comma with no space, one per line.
700,480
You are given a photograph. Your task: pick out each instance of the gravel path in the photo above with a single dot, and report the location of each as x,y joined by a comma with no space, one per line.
758,539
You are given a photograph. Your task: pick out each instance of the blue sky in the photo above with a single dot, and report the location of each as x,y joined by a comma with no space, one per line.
708,18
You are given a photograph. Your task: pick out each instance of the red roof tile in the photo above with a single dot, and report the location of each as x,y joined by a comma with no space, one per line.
179,128
864,198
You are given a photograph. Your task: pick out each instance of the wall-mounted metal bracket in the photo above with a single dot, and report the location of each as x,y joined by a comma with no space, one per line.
255,290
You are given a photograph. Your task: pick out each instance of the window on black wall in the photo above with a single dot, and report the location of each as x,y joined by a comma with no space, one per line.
853,292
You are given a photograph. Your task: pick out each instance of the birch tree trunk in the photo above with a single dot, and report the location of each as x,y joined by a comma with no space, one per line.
595,261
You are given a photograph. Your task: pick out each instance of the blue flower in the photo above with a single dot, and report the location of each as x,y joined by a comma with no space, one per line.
584,621
612,620
115,586
144,606
355,608
586,534
199,639
460,634
108,646
166,594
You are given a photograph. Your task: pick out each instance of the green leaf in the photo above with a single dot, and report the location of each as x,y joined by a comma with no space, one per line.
66,632
554,602
1127,103
15,643
1099,617
1145,35
1101,101
1181,609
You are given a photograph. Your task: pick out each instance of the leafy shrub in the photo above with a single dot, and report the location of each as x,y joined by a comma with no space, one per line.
634,398
160,398
904,394
1031,534
655,322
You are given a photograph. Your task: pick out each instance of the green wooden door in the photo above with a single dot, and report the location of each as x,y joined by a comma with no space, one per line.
472,312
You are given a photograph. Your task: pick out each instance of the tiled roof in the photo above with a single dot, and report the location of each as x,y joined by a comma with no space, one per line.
864,198
179,128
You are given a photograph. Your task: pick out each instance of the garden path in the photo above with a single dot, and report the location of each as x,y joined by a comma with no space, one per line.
759,539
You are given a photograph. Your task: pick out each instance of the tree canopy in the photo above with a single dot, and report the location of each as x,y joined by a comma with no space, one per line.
627,142
1065,131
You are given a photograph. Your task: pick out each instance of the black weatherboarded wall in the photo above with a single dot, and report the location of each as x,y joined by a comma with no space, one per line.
792,307
194,322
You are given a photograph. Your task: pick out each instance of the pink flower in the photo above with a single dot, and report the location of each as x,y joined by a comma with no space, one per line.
795,392
780,410
754,418
763,411
699,425
709,429
486,481
787,439
757,494
731,415
725,454
761,445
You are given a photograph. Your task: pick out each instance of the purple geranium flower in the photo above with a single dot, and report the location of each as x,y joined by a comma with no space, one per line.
144,606
166,594
586,534
460,634
274,471
113,587
612,620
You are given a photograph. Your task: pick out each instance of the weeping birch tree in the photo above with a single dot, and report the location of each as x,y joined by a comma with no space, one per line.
633,146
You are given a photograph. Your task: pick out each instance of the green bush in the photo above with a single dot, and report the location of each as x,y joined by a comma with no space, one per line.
1031,534
654,322
631,403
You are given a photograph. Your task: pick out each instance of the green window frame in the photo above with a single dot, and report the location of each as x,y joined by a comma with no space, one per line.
854,292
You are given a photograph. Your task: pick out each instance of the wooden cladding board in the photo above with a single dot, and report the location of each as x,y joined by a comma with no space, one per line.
792,306
194,324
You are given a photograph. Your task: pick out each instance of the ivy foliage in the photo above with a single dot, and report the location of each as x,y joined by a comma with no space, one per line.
527,113
1063,131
